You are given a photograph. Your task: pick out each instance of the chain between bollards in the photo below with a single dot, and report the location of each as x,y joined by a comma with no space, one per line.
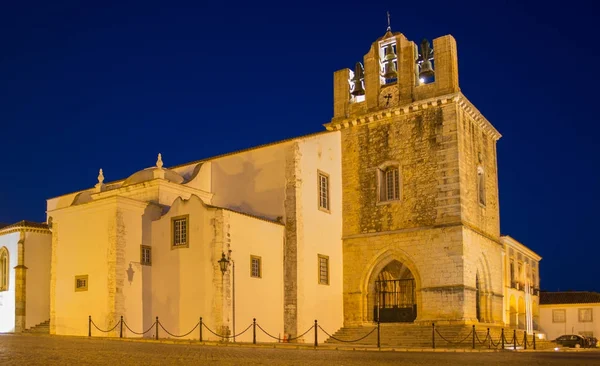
90,326
121,331
253,330
156,335
433,335
316,332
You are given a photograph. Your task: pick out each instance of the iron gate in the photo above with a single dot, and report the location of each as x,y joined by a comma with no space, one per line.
395,301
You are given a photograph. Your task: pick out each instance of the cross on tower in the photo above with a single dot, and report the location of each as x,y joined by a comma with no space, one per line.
388,97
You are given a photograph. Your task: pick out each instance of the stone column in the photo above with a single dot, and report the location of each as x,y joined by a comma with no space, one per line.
20,286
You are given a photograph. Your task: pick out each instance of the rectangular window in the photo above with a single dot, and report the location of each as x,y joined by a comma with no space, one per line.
585,315
512,272
389,184
255,266
559,316
323,191
179,229
323,269
81,283
146,255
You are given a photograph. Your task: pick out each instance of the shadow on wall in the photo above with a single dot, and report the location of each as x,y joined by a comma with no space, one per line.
250,187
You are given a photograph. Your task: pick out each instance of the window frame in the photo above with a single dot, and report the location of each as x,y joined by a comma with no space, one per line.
149,261
326,258
579,317
4,272
481,189
87,283
326,208
559,311
259,260
187,231
382,183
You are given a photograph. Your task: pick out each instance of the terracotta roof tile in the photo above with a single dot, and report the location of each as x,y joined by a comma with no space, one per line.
569,297
40,225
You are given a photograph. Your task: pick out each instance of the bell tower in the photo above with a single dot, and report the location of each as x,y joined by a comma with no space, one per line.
419,187
396,72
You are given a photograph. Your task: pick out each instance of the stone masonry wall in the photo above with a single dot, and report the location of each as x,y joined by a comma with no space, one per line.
424,144
478,149
435,258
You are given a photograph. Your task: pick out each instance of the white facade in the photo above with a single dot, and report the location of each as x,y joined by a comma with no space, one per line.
25,298
258,205
578,314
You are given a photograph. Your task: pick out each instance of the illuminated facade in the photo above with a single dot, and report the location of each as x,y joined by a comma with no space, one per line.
392,214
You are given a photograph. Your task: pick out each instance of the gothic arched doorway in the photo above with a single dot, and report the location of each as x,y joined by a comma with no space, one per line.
395,294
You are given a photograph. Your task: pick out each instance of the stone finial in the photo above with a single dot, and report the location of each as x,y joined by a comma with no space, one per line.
100,177
159,162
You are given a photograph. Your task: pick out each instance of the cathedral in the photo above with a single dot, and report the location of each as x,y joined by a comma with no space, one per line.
391,214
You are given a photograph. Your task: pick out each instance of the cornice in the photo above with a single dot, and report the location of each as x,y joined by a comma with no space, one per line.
458,98
27,229
513,243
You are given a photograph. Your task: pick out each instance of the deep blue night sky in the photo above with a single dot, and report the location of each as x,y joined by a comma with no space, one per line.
109,85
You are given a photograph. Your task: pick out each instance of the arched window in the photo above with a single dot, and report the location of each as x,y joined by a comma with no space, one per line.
389,182
4,269
481,186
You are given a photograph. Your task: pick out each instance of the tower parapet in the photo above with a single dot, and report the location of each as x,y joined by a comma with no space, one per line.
396,73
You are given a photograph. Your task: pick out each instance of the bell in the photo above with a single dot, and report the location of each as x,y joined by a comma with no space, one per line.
389,53
426,70
359,75
389,70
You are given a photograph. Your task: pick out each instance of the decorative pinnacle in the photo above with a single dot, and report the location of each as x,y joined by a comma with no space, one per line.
159,162
100,177
389,28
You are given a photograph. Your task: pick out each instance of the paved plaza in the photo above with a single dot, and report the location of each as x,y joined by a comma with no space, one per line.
56,350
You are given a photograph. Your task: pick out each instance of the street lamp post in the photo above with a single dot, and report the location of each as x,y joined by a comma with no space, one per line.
223,264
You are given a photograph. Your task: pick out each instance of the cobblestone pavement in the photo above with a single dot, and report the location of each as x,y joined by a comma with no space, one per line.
55,350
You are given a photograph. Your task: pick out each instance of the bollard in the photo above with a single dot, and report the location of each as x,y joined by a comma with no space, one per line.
525,339
156,328
378,334
502,338
489,337
90,326
514,339
121,332
534,341
473,336
254,331
316,330
201,324
433,335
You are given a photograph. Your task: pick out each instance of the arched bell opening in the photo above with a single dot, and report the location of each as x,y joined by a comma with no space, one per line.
394,296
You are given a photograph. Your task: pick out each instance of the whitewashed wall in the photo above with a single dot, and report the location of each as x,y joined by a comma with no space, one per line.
260,298
572,324
38,250
322,234
7,298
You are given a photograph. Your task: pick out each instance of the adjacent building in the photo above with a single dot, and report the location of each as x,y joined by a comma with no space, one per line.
24,275
570,312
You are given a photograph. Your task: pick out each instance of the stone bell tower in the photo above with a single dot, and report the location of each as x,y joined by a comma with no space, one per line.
420,197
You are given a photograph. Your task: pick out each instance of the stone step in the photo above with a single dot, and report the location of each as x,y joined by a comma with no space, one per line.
42,328
412,336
